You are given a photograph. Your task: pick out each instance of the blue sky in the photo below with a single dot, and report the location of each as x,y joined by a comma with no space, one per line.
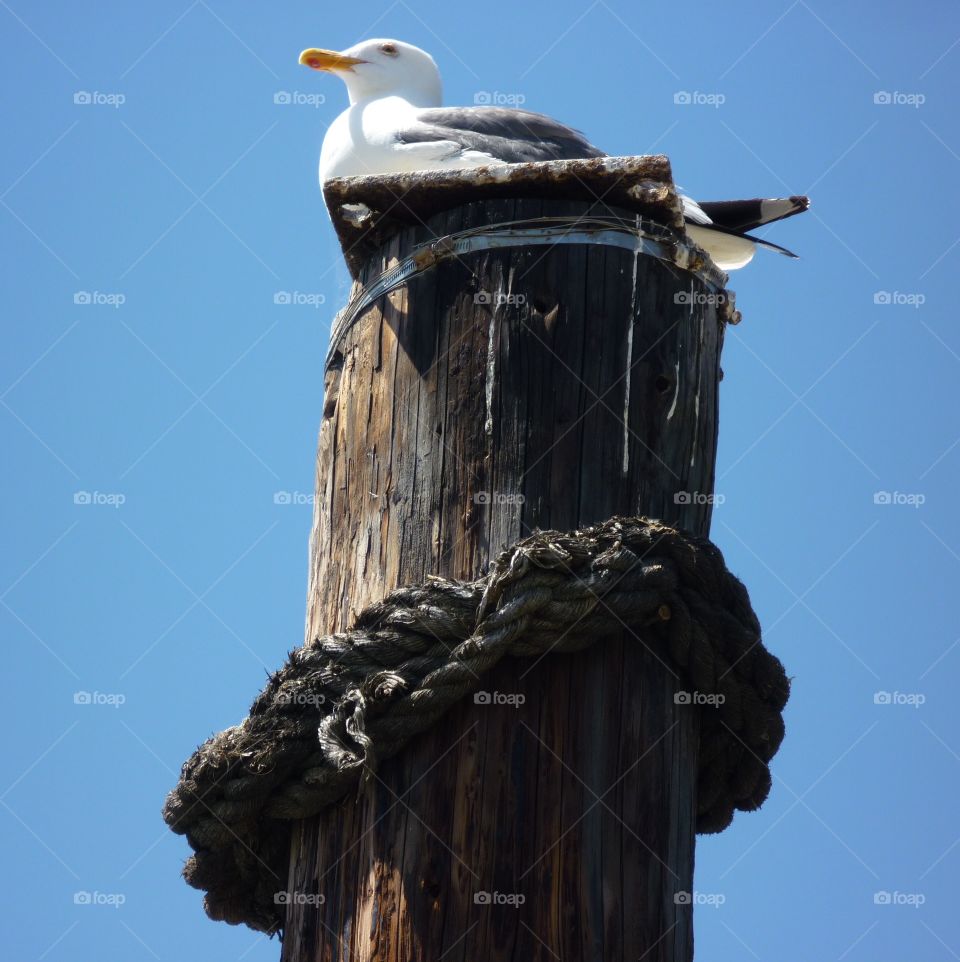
146,233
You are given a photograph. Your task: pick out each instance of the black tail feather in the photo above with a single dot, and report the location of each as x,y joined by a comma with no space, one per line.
740,216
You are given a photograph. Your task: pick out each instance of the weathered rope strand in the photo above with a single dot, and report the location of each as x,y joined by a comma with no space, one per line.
346,701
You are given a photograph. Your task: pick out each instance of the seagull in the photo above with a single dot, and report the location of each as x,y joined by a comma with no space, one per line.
395,124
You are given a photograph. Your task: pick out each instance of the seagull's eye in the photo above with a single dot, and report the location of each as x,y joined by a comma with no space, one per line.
389,49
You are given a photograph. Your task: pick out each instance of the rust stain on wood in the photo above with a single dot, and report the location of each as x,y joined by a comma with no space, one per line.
367,211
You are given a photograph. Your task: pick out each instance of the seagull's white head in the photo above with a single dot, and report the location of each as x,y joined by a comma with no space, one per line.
381,68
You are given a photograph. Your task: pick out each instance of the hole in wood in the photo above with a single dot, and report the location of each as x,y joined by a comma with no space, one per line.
662,383
331,381
431,889
548,309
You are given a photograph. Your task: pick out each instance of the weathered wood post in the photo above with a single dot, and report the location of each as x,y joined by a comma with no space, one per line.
520,381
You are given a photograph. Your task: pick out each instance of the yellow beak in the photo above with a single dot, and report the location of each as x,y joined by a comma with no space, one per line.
318,59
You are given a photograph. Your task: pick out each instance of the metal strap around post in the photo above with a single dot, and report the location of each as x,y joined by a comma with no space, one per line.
638,236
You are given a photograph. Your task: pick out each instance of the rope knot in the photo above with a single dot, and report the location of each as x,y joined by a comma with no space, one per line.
413,655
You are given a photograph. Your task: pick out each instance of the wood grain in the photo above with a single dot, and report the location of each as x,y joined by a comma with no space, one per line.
452,426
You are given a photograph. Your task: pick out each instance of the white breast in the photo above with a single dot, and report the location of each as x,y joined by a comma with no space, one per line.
362,140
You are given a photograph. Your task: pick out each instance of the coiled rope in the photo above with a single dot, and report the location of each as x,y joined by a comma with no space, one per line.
346,701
